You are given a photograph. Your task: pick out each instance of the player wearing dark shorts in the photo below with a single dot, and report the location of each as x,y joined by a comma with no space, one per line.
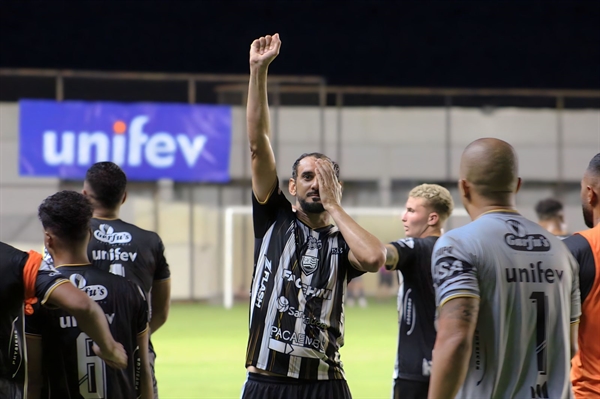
25,281
302,263
124,249
62,363
427,209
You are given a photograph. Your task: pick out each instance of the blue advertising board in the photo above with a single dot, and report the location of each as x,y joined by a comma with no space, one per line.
188,143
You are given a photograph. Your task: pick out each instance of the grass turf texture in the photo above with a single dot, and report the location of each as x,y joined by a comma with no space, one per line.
201,351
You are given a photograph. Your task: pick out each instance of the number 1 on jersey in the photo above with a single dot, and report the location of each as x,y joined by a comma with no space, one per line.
541,338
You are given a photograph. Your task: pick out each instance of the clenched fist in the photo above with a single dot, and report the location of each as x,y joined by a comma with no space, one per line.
264,50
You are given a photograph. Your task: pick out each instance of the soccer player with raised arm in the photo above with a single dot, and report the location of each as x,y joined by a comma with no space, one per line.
302,262
507,292
427,208
61,361
125,249
585,246
26,280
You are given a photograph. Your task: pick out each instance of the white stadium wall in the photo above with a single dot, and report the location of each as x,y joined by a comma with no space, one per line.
380,144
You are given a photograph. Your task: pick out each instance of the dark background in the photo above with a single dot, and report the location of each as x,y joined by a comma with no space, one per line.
430,44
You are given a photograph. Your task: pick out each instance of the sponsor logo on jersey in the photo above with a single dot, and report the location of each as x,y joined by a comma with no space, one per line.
16,348
535,273
283,306
96,292
114,254
263,283
106,233
337,251
309,264
519,240
449,267
308,290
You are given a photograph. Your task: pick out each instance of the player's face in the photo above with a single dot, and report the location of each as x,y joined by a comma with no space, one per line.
586,207
415,218
307,186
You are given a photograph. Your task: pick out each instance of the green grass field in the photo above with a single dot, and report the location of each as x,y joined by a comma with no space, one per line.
201,351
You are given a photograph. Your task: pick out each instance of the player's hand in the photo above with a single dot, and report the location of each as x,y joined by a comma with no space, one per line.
330,189
264,50
116,358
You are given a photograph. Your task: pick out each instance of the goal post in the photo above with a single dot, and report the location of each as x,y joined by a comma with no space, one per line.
384,223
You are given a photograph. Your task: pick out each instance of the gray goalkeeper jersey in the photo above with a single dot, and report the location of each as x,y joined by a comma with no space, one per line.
528,286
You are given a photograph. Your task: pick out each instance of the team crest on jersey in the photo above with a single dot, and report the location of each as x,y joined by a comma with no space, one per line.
106,233
309,264
96,292
314,243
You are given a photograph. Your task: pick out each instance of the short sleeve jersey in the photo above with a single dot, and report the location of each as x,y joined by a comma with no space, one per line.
71,368
416,334
528,287
12,294
299,282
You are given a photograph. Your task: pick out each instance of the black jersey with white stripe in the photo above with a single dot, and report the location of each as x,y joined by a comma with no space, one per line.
12,295
299,282
71,368
416,307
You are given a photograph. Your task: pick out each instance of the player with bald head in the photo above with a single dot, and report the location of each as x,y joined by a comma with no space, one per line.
507,292
585,246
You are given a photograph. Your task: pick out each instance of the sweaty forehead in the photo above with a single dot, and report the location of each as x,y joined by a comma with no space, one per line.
307,164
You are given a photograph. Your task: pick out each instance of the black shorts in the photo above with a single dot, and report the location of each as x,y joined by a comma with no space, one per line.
410,389
260,386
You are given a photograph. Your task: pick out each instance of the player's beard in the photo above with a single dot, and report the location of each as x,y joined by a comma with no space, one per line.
588,216
311,207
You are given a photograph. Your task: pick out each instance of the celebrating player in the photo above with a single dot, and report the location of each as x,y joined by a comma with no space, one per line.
59,353
507,292
302,262
427,209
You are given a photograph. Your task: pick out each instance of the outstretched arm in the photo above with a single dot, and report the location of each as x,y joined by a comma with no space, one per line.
453,346
91,320
262,52
367,253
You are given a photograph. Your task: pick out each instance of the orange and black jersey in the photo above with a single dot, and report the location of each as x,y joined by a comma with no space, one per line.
23,277
417,308
299,282
70,367
585,370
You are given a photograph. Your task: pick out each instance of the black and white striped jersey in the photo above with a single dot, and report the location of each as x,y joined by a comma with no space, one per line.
298,288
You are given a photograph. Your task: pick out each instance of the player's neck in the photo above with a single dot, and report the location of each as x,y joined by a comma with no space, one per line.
103,213
66,257
313,220
553,227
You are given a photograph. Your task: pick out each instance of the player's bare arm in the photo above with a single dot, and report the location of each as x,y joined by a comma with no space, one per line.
574,338
145,371
161,303
453,345
391,255
34,366
92,321
262,52
367,253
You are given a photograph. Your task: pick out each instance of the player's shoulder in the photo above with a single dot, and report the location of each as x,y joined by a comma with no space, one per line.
10,255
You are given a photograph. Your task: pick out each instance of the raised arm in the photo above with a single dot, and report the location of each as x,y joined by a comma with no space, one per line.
262,52
367,253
